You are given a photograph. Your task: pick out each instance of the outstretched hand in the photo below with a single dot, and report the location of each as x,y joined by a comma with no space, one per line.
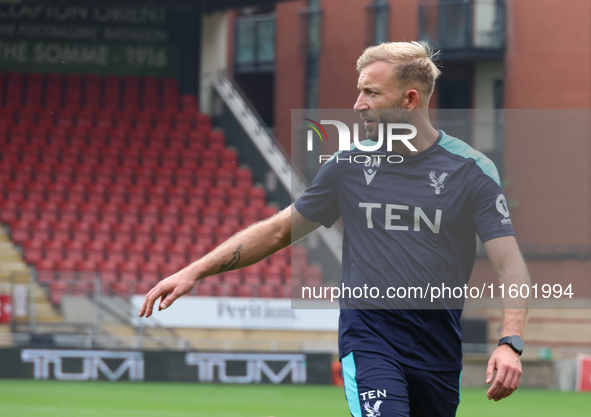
507,363
168,290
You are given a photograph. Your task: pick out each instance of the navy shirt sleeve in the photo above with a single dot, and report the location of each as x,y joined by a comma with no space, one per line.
319,203
490,212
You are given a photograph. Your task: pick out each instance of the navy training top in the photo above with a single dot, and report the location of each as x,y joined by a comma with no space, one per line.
408,224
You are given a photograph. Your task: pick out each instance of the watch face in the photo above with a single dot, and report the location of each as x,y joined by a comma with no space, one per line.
517,343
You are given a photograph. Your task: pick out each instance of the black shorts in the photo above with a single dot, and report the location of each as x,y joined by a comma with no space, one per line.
376,385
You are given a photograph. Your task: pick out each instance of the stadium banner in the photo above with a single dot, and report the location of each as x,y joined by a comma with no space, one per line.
89,38
583,373
238,313
165,366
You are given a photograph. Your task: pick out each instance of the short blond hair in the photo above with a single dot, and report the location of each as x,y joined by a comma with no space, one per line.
414,62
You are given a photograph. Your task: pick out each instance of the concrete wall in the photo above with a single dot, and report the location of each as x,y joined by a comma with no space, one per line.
536,374
214,55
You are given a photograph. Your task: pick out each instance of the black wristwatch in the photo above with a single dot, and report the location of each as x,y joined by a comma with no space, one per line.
514,342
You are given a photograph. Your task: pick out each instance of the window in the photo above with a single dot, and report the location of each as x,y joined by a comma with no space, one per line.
377,22
255,43
311,46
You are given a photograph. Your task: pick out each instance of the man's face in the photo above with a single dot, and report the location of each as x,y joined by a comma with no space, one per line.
380,98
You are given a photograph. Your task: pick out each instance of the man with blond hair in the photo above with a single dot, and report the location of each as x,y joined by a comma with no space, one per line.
411,223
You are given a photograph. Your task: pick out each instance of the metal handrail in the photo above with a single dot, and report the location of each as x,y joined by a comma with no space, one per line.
275,156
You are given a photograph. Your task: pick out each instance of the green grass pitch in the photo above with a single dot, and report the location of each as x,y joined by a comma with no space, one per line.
89,399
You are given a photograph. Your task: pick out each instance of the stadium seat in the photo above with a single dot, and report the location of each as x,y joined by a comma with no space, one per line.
245,290
109,271
29,210
232,277
243,178
88,265
145,285
67,265
123,289
46,271
269,291
170,268
20,230
75,249
313,275
272,274
56,292
117,158
143,232
129,271
62,230
150,271
90,212
157,253
123,232
171,215
251,215
205,288
253,274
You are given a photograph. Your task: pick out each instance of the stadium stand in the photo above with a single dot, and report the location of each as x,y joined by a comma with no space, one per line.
123,177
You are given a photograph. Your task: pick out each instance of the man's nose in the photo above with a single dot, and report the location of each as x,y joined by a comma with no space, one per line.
360,104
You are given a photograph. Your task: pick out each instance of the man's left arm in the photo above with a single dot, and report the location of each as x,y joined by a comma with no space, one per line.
510,267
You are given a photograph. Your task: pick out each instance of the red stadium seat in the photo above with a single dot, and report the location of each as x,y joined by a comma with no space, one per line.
299,256
136,252
145,285
171,215
236,197
232,277
29,210
10,211
129,271
46,271
313,275
246,290
62,230
95,250
150,271
50,210
251,215
90,212
197,251
164,232
69,210
177,253
244,178
103,231
122,289
88,265
116,252
82,230
157,252
253,274
272,274
41,230
20,230
56,292
143,232
109,271
269,291
170,268
205,288
75,249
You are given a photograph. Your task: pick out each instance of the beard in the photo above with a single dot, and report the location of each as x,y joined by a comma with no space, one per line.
384,116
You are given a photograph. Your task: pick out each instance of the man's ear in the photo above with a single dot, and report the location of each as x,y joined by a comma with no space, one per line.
412,99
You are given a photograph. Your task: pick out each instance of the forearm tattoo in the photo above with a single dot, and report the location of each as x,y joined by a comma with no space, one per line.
231,264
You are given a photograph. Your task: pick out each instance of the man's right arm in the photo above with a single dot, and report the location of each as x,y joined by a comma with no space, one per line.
245,248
